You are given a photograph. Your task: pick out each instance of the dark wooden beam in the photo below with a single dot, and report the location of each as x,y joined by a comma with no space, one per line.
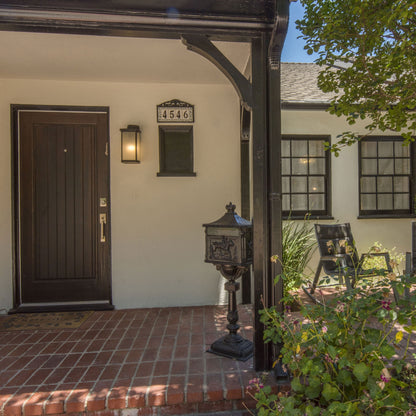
233,20
275,187
245,128
263,280
203,46
253,10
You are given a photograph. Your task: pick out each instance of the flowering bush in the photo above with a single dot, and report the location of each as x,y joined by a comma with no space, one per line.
346,357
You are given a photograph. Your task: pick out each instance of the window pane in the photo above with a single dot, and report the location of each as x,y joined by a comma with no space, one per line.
316,148
400,150
401,184
368,202
369,149
402,166
369,166
299,148
299,203
286,184
368,184
304,173
299,184
316,184
317,166
285,166
401,201
385,202
385,149
317,202
300,166
285,147
286,203
385,166
384,184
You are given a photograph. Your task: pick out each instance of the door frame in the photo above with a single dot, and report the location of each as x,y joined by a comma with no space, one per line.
18,306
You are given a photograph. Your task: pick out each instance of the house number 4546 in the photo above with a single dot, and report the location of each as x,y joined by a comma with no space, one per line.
175,114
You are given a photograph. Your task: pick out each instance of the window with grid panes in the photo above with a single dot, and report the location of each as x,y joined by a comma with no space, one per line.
305,176
385,176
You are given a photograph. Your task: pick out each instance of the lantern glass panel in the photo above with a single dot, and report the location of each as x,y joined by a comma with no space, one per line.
130,147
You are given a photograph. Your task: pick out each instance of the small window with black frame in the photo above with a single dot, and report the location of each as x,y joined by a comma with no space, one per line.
386,172
176,153
305,176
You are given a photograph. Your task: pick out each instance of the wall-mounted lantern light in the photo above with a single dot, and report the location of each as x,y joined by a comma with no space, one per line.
130,144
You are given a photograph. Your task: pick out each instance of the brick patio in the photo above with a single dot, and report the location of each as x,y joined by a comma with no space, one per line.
129,362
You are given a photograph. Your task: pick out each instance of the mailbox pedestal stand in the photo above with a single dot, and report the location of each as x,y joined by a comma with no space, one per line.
232,345
228,245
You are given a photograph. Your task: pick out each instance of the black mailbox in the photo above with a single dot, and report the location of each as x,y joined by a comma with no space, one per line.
229,240
229,246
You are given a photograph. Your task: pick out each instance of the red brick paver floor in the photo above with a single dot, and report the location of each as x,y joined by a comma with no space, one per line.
141,361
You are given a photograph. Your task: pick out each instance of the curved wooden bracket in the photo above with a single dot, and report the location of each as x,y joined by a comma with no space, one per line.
202,45
278,35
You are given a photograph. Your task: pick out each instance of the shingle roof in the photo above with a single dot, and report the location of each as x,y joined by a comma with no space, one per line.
299,84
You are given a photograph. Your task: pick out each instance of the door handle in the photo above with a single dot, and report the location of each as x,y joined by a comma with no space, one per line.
103,221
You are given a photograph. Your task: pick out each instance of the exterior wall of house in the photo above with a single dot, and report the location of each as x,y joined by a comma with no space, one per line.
157,233
344,183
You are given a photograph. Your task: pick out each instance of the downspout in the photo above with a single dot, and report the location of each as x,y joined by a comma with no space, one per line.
277,40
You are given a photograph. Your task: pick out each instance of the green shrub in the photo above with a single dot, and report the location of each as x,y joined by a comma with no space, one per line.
347,357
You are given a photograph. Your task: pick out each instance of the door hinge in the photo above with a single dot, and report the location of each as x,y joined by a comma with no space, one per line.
106,149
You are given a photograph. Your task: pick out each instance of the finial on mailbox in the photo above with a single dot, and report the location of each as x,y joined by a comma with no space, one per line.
230,208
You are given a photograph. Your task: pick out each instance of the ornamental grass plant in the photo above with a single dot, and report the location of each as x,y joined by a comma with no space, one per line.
298,246
348,356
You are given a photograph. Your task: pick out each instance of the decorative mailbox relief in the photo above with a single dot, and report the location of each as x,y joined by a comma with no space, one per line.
229,240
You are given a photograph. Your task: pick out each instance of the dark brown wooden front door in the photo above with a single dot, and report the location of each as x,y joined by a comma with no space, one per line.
63,208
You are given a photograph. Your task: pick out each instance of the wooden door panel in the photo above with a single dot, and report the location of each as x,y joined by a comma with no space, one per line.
63,173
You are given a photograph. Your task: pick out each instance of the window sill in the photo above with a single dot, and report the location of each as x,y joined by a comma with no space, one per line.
176,174
309,217
384,216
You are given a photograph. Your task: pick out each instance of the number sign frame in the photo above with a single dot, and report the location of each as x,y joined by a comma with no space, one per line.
175,111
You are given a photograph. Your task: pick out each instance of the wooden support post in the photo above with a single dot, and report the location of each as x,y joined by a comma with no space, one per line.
267,208
245,125
275,201
261,236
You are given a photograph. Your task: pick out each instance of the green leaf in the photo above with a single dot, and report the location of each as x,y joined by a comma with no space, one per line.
297,386
344,377
361,372
387,350
313,390
330,393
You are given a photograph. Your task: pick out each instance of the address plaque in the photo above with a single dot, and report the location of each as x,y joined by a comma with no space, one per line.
175,111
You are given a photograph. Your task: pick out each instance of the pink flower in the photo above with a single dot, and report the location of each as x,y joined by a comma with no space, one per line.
256,383
385,304
328,358
324,329
385,375
340,307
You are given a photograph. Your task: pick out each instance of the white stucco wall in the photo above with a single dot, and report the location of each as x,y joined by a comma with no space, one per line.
345,178
157,234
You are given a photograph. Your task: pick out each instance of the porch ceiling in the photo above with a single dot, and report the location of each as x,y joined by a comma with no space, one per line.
117,59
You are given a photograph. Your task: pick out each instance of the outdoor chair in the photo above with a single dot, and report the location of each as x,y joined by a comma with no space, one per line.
339,258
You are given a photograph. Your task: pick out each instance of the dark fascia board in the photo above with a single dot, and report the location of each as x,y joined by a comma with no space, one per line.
238,20
262,10
304,106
